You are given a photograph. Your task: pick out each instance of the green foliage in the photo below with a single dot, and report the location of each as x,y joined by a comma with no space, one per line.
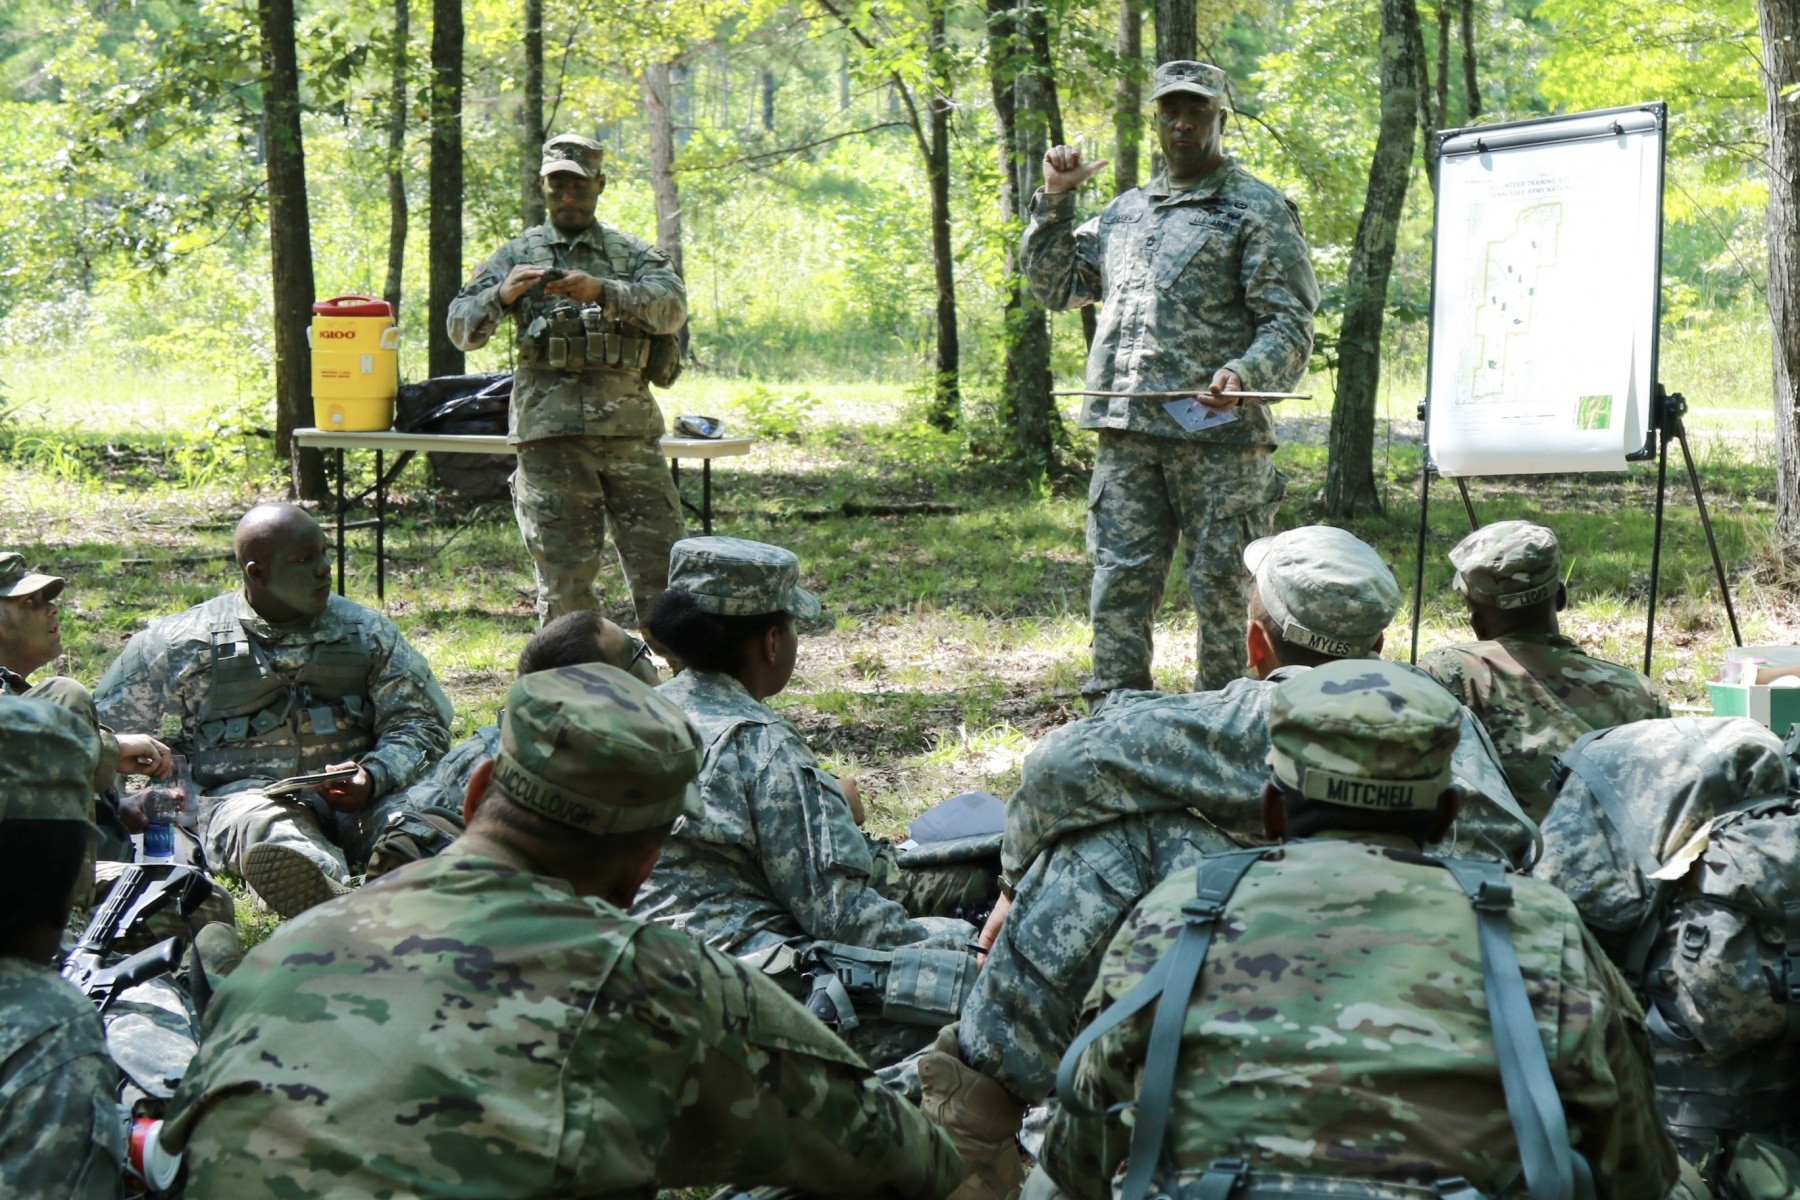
776,415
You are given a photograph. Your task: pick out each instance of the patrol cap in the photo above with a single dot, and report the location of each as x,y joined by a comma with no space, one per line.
17,579
732,577
1509,564
1185,75
47,760
1328,589
593,748
1365,734
572,152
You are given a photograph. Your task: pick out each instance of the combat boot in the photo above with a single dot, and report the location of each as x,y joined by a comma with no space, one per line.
286,880
980,1117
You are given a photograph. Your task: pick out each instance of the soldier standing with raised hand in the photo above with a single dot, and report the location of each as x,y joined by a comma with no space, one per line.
1205,284
585,300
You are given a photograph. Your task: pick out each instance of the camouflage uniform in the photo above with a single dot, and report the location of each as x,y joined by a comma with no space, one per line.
254,702
1535,693
588,440
1338,1029
60,1130
489,1032
775,860
1213,276
1111,805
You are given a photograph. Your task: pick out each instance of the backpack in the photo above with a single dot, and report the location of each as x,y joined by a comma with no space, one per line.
1679,842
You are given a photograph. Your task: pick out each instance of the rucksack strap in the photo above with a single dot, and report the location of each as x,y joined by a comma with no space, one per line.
1553,1170
1172,979
1637,847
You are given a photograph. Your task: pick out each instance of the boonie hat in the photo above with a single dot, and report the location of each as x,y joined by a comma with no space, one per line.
17,579
1328,589
732,577
47,761
1509,564
1365,734
1185,75
572,152
592,748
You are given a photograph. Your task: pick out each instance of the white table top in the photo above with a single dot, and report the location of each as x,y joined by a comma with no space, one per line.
496,443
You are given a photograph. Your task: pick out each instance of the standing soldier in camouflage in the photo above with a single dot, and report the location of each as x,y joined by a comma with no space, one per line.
491,1022
1205,285
585,300
1336,1040
282,678
60,1132
1532,688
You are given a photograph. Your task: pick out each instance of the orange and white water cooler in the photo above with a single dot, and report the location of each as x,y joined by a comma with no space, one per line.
355,363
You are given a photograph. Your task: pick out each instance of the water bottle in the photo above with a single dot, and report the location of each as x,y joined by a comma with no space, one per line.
160,806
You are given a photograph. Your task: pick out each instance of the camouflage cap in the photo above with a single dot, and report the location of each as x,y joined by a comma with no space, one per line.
1365,734
1509,564
593,748
736,578
572,152
1185,75
1328,589
17,579
47,760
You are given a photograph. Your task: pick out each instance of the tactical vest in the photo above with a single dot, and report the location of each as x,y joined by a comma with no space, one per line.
259,722
1551,1169
559,335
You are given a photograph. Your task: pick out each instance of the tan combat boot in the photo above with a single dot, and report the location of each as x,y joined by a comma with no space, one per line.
980,1117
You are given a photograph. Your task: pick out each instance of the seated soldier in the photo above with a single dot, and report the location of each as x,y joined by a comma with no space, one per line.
491,1022
1531,688
60,1134
1112,804
776,862
1336,1041
279,679
30,637
428,815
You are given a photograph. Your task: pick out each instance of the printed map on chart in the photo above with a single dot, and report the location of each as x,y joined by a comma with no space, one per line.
1544,302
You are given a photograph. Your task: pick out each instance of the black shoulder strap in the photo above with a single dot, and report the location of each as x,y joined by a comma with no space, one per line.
1553,1169
1173,979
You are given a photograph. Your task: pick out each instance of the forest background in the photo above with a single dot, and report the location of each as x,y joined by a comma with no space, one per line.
840,181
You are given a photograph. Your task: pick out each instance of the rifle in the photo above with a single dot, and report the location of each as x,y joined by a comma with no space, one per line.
139,893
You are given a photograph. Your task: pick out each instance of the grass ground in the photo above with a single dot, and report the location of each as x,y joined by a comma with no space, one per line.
950,641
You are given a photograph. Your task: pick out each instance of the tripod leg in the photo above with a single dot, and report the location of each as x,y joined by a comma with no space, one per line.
1419,558
1712,543
1462,485
1662,488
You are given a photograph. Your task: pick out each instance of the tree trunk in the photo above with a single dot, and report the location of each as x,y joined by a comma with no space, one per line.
657,107
1443,62
1018,82
1177,30
843,79
446,232
290,243
396,160
1468,48
681,103
1780,23
531,118
946,395
1428,120
768,100
1350,473
1128,98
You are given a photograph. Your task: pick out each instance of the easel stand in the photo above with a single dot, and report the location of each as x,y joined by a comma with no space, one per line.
1668,427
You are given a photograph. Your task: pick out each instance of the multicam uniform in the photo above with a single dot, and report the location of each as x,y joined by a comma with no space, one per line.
585,426
60,1132
1536,694
254,702
1216,275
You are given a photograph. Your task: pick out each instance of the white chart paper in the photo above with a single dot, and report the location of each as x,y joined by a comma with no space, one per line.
1544,299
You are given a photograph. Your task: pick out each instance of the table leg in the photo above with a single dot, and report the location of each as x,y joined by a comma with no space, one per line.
340,519
706,495
380,530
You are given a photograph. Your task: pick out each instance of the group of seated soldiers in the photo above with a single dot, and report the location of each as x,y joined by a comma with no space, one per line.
632,937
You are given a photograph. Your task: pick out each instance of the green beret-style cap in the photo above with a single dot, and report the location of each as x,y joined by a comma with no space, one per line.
1365,734
1185,75
732,577
1327,589
1509,564
593,748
